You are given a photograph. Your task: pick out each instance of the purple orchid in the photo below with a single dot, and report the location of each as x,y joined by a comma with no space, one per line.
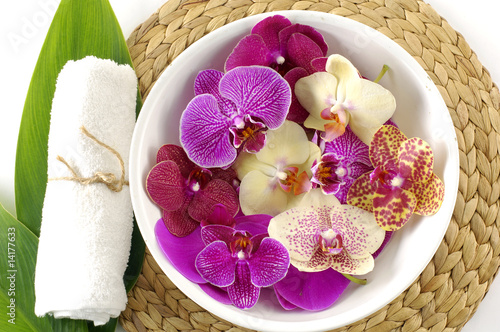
231,112
241,262
186,193
345,159
277,43
229,264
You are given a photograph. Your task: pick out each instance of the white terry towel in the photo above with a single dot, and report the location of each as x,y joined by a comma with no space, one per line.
86,229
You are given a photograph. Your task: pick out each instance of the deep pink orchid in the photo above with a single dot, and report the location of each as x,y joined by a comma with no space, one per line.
231,113
402,183
186,193
277,43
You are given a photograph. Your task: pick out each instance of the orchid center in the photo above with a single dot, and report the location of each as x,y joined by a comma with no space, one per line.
198,179
249,134
290,179
241,246
386,178
330,242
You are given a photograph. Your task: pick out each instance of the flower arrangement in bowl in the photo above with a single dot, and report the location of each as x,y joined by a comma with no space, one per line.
293,162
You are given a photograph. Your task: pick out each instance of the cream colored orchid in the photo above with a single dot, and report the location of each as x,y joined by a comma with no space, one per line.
274,178
339,97
320,233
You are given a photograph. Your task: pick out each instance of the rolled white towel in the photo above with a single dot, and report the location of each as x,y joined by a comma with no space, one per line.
86,228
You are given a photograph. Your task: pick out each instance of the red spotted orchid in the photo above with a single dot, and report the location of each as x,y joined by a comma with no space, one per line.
402,183
339,97
231,112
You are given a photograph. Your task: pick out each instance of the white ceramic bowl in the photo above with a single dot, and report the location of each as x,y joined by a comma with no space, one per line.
420,112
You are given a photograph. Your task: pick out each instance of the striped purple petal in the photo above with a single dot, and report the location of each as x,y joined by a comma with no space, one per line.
207,81
259,92
204,133
242,292
216,264
269,29
269,263
250,51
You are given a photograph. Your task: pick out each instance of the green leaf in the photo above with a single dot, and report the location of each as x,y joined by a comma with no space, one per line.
79,28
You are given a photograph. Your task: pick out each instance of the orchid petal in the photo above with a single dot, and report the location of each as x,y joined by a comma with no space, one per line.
285,146
387,239
247,162
296,229
384,148
212,233
283,302
176,154
216,192
361,193
207,82
318,262
242,292
302,50
297,113
429,196
165,185
216,293
253,224
343,263
415,160
370,106
216,265
269,29
219,216
204,133
181,251
269,264
315,93
178,222
261,194
312,34
259,92
250,51
319,64
311,291
319,124
393,208
343,70
349,147
361,235
314,199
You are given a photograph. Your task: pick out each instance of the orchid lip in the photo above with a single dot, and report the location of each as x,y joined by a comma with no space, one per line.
330,242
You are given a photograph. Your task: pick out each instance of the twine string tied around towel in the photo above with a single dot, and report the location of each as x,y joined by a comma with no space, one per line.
109,179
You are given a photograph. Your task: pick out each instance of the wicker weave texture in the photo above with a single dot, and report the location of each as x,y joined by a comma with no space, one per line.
449,290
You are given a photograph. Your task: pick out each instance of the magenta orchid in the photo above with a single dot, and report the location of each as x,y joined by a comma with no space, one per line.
344,160
340,237
277,43
231,112
186,193
402,183
228,262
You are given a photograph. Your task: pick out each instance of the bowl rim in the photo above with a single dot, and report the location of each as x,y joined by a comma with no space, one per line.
136,183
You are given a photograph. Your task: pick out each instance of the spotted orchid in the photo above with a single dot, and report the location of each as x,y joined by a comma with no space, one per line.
231,112
341,237
403,182
339,97
271,178
345,158
187,193
277,43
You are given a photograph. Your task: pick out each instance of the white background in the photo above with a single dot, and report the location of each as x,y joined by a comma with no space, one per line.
24,24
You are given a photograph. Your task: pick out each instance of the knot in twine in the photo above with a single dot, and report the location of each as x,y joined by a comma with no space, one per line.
109,179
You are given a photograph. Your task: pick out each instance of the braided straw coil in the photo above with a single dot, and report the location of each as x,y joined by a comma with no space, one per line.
449,290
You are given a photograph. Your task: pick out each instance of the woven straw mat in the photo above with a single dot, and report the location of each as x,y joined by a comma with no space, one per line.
449,290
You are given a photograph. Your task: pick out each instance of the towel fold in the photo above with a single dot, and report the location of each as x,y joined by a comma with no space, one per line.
86,229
